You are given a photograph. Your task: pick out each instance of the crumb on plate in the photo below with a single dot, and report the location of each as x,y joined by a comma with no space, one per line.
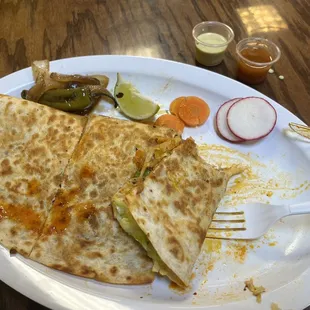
274,306
256,290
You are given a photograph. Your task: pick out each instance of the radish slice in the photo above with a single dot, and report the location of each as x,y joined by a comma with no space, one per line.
251,118
221,121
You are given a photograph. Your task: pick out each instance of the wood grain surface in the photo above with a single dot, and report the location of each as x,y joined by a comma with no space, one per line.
38,29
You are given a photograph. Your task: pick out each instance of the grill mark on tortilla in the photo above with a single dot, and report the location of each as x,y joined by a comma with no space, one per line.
86,271
169,188
13,231
94,255
175,248
196,229
62,268
182,206
30,169
6,168
93,194
113,270
217,182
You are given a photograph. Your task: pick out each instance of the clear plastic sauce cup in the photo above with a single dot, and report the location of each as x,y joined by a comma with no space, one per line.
255,57
211,40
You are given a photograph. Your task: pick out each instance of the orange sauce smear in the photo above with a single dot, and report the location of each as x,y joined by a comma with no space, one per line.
63,209
22,214
60,215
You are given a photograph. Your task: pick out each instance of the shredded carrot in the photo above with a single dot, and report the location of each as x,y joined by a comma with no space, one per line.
175,104
170,121
193,111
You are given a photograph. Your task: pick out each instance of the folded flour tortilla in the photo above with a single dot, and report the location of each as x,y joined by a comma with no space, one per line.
170,211
36,143
81,235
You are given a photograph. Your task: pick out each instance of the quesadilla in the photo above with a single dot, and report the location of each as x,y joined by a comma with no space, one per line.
81,235
36,143
170,211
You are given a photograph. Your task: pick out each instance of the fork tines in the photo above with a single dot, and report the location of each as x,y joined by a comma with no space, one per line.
225,222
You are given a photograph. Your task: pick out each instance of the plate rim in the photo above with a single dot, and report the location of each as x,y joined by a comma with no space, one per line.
51,302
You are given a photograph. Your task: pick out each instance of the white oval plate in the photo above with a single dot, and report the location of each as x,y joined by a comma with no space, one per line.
283,269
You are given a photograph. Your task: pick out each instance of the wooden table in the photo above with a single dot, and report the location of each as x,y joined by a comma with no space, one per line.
38,29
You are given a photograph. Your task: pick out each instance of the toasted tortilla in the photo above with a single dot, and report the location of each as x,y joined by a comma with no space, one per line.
81,235
170,211
36,143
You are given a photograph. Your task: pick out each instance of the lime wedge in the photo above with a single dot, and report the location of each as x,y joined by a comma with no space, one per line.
131,102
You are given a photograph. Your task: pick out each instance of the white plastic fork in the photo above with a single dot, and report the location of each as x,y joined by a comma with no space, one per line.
252,220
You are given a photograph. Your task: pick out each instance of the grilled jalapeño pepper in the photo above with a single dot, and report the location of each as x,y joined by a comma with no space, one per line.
74,100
